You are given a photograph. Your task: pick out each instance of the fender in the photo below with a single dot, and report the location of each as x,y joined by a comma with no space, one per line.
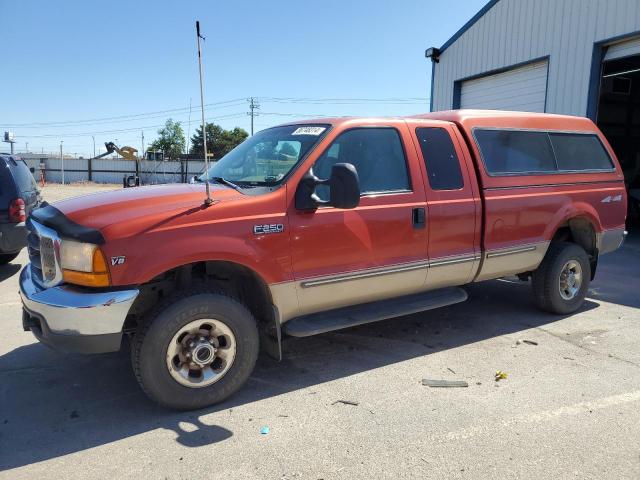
158,252
571,211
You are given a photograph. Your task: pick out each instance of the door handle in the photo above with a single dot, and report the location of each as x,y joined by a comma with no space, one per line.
419,217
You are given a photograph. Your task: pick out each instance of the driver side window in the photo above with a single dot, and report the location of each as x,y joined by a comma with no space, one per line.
377,155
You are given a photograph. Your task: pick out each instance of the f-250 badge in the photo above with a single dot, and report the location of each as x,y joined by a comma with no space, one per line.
118,260
270,228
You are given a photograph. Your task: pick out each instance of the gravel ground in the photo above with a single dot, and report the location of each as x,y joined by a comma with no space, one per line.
569,407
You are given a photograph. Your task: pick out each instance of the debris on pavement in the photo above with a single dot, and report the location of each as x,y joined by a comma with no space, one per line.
264,430
451,370
500,375
530,342
444,383
346,402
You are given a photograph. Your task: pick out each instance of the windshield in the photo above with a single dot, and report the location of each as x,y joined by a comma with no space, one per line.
267,158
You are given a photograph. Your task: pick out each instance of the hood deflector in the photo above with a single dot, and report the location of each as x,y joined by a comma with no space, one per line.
51,217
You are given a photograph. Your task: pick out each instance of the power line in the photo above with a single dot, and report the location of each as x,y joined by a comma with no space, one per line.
107,121
226,104
348,101
238,101
88,134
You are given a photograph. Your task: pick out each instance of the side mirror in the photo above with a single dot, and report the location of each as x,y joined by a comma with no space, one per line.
32,169
344,189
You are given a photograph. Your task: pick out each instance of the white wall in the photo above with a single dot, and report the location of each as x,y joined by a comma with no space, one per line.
516,31
150,172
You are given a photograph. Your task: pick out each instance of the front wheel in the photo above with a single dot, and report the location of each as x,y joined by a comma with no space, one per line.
195,349
561,281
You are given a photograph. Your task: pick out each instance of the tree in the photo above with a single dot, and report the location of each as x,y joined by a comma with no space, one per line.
171,140
219,141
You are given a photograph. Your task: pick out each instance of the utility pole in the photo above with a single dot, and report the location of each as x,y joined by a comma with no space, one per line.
207,201
142,151
253,106
94,145
188,129
62,161
26,147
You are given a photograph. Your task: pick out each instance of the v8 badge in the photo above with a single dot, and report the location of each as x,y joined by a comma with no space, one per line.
118,260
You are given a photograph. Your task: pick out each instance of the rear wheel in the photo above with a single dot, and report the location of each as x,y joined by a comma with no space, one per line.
7,257
561,281
194,350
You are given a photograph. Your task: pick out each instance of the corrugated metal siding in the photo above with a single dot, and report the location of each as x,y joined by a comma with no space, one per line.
517,31
522,88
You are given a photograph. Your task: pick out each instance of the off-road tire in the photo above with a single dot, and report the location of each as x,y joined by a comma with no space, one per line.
546,278
7,257
150,343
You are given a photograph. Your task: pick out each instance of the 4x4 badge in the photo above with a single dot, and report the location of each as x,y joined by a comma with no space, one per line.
118,260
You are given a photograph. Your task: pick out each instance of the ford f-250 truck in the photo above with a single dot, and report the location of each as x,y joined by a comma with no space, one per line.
318,226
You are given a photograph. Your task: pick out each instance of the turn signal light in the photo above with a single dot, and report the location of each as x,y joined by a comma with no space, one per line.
99,277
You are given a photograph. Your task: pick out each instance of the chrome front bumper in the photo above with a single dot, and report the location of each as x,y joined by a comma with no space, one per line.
75,319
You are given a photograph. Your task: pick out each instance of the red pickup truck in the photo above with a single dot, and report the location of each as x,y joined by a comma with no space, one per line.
318,226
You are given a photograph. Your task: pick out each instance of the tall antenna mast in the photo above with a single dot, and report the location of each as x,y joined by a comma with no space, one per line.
207,201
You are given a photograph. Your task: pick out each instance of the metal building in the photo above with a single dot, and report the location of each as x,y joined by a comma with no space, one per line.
575,57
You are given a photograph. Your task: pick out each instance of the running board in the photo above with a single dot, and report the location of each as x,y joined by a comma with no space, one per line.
351,316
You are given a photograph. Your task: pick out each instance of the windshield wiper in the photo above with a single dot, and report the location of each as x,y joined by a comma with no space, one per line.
226,182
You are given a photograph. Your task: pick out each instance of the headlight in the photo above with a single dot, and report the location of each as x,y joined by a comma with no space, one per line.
83,264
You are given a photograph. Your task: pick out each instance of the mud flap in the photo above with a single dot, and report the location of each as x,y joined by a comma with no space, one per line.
271,337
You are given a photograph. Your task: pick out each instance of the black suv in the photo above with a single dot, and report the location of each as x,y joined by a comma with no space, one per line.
19,195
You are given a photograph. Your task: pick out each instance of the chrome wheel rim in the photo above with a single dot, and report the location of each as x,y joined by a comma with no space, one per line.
570,280
201,352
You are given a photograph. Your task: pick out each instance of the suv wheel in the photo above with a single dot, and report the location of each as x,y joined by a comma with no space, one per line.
561,281
7,257
195,349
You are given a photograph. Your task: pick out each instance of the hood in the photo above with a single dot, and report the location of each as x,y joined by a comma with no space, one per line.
104,209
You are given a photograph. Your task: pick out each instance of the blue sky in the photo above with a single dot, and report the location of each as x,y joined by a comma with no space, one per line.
70,61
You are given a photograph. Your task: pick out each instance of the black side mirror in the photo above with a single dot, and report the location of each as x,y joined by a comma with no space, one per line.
32,169
344,189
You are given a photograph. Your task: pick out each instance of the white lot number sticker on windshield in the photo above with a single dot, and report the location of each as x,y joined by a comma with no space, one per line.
309,131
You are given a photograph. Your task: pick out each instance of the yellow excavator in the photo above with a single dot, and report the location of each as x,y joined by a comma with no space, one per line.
128,153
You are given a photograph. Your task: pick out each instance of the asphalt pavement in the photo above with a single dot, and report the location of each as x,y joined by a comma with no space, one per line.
351,404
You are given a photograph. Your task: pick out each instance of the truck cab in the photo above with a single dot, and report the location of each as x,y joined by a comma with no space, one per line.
318,226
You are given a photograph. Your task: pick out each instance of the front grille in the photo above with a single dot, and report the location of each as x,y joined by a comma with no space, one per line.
33,248
41,246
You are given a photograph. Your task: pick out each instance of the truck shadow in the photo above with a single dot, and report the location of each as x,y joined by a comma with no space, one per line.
9,270
53,405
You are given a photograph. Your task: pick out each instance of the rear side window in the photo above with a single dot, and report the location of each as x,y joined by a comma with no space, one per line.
443,166
506,152
512,152
376,153
22,176
580,152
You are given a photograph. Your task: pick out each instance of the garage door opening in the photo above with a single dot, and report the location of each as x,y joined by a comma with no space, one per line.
619,120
